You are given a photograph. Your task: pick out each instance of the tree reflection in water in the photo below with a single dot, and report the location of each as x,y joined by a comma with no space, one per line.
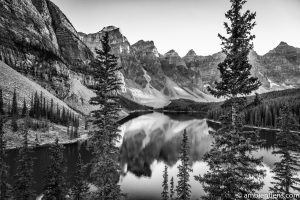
286,179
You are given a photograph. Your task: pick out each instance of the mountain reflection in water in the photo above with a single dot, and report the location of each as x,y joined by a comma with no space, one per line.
153,140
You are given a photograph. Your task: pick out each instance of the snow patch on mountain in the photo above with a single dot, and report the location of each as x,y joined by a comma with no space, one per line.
273,84
148,96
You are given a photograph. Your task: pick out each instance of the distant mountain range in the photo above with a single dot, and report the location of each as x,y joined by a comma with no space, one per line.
39,41
150,75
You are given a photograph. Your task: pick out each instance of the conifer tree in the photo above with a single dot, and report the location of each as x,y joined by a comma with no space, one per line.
183,188
172,192
106,169
55,186
165,185
36,106
1,103
286,181
51,115
257,100
232,167
57,114
24,176
14,108
80,187
4,186
24,109
235,70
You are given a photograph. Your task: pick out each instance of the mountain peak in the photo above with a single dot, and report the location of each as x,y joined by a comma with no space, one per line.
172,52
145,46
109,28
143,42
282,43
191,53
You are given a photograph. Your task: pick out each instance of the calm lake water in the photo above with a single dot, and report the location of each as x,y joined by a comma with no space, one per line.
149,142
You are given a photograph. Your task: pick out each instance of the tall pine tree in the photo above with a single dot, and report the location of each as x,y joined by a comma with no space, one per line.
232,167
55,186
165,185
172,192
286,180
183,188
24,109
105,166
24,176
14,108
235,70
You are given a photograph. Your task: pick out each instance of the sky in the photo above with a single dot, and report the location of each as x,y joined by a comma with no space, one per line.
185,24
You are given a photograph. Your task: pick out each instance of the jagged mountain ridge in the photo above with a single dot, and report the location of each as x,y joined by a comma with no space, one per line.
187,77
149,77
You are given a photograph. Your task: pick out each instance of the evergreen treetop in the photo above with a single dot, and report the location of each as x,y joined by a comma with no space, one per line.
235,70
24,109
172,192
165,192
14,108
105,166
183,188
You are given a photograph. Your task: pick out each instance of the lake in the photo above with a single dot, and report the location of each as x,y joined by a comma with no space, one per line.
149,142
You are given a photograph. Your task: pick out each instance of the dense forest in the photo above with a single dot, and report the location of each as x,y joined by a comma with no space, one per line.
40,109
263,110
260,109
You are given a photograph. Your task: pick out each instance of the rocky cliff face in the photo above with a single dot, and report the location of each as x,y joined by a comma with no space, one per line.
146,72
278,69
119,42
149,77
38,40
282,65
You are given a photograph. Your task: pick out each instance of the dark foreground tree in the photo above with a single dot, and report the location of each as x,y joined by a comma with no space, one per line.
235,70
4,186
233,171
55,187
172,192
24,109
183,188
105,167
165,185
14,108
24,174
286,180
80,187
